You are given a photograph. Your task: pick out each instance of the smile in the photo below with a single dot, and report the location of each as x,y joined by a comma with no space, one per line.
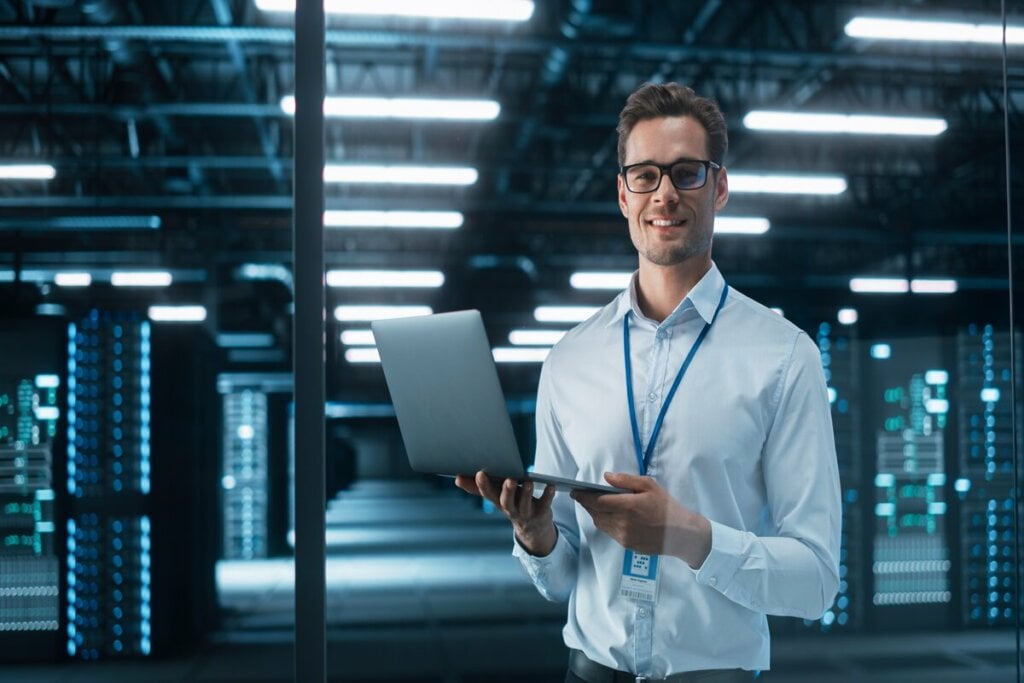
665,223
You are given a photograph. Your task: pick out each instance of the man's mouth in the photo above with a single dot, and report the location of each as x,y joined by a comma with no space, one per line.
666,222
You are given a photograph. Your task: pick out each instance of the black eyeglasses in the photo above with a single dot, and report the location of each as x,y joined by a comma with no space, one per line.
685,174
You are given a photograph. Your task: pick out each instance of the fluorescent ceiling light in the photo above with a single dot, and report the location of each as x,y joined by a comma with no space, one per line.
27,172
403,108
600,280
349,313
845,124
493,10
519,354
735,225
847,316
879,285
358,338
564,314
68,279
437,220
936,377
385,278
400,175
881,351
47,381
535,337
772,183
157,278
362,355
177,314
880,28
933,286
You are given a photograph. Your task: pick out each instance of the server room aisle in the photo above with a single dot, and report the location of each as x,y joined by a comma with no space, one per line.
421,587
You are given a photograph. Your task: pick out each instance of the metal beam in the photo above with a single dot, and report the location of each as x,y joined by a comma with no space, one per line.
308,360
674,52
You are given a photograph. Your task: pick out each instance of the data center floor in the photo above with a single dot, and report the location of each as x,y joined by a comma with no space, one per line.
421,587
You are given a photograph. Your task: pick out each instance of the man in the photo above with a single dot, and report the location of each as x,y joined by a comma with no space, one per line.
710,409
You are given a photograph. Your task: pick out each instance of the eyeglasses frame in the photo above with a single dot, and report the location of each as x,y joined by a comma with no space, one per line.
665,170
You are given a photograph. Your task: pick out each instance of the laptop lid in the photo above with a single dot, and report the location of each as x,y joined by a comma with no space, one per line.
447,397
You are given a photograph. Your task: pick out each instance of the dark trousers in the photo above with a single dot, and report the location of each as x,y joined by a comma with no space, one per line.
729,676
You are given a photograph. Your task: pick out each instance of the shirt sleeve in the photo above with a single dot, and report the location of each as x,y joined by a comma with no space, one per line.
796,571
554,575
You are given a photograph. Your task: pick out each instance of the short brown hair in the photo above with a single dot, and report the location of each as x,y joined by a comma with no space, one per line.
657,100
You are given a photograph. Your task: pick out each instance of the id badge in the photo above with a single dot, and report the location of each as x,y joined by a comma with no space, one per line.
639,577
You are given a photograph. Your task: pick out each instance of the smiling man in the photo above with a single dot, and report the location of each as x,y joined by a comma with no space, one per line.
710,409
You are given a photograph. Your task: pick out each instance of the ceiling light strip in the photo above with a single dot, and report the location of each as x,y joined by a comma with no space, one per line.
494,10
429,220
843,124
365,313
399,174
773,183
385,278
403,108
917,30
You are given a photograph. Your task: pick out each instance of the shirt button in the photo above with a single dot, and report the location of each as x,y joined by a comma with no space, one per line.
643,612
713,581
652,396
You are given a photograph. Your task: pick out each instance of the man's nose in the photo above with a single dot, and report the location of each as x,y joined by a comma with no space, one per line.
666,191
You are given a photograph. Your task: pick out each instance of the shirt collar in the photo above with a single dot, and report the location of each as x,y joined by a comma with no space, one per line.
703,297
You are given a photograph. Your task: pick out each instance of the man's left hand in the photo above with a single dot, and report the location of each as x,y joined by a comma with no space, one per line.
649,520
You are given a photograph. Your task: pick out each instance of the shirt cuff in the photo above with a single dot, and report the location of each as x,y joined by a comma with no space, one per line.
539,567
725,557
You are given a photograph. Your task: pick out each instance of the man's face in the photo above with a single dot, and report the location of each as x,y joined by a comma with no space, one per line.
669,226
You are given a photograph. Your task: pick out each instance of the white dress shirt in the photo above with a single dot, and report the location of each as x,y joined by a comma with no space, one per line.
747,442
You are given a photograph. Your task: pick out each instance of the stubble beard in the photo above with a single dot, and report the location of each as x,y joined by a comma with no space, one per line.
674,253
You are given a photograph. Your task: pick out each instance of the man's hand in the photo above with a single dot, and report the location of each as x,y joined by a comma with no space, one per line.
649,520
531,517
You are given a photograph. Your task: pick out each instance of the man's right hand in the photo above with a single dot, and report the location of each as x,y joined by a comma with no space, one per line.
531,517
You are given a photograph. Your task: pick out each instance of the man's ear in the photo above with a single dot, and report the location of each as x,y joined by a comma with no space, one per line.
721,189
622,197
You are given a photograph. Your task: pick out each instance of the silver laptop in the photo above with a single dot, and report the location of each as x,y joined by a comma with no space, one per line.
448,400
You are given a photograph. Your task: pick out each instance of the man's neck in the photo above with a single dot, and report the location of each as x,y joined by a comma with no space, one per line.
661,288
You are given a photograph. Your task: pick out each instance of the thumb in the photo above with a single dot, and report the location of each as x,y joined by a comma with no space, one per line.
631,482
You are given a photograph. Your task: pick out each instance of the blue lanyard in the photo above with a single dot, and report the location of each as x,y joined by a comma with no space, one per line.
642,457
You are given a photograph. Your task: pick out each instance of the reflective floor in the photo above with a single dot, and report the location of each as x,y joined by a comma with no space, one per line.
422,587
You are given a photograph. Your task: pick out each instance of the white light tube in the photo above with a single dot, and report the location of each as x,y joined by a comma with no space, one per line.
363,354
46,412
27,172
353,313
500,10
177,314
47,381
990,395
933,286
845,124
879,285
735,225
400,175
403,108
535,337
68,279
599,280
156,278
563,314
936,377
437,220
358,338
519,354
880,28
771,183
385,278
847,316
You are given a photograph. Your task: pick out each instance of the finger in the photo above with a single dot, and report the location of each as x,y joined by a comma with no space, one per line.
543,504
508,497
483,483
525,500
630,482
467,484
